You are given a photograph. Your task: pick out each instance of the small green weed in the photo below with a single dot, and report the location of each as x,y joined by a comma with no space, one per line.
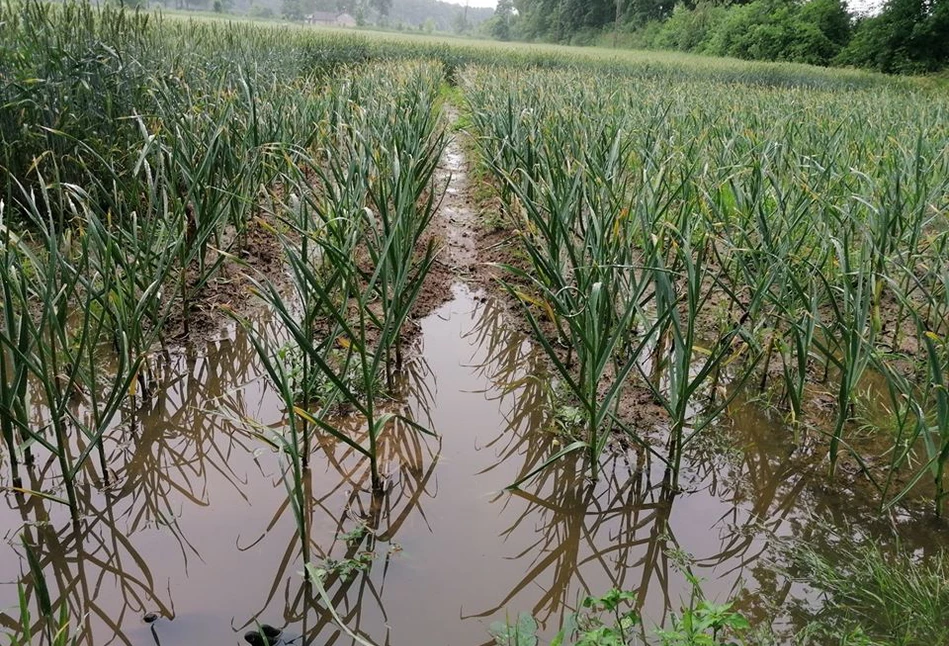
355,535
892,597
346,568
611,620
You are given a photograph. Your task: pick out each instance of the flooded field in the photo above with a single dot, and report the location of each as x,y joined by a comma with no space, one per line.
309,338
196,527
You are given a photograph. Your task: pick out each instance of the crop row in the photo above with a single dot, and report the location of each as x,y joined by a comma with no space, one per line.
795,241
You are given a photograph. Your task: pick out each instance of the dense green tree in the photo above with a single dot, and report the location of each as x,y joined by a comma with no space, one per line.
689,30
536,18
293,10
785,30
830,17
382,6
459,24
581,14
907,36
782,30
501,22
640,12
559,20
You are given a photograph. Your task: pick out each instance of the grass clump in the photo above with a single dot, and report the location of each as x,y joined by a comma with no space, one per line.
878,596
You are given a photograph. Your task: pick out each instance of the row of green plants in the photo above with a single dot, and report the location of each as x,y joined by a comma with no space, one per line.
114,223
145,165
794,244
358,251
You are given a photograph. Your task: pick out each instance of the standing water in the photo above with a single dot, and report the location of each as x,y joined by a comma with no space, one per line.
196,526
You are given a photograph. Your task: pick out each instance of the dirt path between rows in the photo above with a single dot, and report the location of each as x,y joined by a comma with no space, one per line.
459,211
454,226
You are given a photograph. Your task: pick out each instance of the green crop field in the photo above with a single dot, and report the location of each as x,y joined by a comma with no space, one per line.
686,243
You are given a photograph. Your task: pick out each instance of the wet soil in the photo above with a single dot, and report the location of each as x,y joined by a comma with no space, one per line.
229,289
453,229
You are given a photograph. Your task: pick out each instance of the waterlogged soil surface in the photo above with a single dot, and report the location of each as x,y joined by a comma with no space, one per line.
195,523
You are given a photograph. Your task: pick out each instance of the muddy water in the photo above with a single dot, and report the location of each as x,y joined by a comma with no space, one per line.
195,523
197,528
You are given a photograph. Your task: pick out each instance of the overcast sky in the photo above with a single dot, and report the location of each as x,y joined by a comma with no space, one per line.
476,3
855,5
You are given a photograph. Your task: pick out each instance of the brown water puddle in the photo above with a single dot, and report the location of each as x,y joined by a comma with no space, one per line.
198,528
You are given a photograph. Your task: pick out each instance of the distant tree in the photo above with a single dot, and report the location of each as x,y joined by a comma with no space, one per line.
459,23
830,17
293,10
503,16
260,11
586,14
907,36
639,12
190,4
689,29
382,6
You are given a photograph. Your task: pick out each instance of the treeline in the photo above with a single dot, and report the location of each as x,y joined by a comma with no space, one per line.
906,36
442,16
431,15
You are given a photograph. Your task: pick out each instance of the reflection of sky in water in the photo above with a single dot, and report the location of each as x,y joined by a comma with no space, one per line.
211,538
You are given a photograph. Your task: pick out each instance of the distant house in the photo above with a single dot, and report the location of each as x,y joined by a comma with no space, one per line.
345,20
330,19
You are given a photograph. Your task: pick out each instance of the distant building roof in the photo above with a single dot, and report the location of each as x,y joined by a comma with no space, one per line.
321,16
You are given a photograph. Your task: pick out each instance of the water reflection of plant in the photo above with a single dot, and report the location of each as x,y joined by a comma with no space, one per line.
514,375
179,443
622,530
354,563
162,455
568,511
870,591
76,557
53,627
